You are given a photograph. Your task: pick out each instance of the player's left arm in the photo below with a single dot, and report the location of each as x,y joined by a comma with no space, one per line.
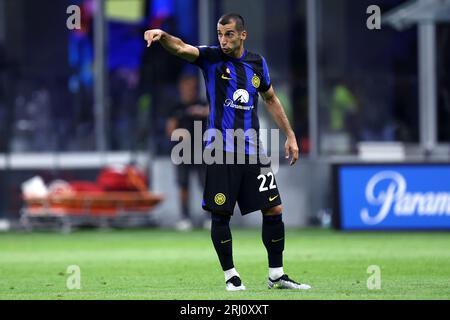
276,110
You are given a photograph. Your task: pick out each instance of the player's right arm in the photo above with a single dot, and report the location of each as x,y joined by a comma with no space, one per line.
172,44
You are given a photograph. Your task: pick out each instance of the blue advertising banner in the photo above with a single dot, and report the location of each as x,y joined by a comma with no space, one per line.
378,197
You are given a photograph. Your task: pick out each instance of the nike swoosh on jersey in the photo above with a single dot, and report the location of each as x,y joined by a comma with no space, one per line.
225,78
271,199
225,241
277,240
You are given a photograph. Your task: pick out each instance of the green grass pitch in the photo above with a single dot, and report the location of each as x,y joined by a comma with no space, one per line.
159,264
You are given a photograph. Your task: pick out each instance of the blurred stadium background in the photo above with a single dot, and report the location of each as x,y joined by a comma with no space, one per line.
73,102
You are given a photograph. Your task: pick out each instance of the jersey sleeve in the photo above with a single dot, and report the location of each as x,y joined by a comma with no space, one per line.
206,56
265,81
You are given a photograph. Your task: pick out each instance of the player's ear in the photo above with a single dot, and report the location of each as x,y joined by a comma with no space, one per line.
243,35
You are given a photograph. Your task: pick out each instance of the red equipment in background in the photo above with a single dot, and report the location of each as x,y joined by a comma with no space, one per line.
120,191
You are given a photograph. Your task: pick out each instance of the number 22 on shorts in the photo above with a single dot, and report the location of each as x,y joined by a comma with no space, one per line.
263,179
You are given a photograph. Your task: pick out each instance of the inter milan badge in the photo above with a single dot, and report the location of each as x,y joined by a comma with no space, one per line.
256,81
220,199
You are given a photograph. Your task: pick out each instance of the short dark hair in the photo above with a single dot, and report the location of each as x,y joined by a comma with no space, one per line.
229,17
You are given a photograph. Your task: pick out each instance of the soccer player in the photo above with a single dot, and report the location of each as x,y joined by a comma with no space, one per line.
234,77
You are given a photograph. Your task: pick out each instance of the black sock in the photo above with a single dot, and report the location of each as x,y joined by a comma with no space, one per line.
221,238
273,239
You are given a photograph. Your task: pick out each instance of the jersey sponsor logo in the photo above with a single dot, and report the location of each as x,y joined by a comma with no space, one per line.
256,82
220,199
273,198
240,98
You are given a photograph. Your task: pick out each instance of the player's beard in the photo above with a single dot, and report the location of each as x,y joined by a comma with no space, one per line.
227,50
231,51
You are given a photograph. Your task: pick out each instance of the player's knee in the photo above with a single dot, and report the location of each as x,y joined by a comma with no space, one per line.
274,211
220,218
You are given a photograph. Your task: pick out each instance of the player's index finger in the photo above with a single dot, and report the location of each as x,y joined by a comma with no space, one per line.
294,155
294,160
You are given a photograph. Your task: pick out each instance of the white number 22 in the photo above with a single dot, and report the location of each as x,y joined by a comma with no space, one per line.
262,177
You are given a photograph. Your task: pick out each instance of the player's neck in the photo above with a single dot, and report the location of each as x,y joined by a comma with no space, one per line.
238,53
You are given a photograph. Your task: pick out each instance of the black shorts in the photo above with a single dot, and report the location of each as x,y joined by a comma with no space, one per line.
253,186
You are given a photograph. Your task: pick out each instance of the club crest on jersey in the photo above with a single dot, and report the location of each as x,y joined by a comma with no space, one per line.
256,82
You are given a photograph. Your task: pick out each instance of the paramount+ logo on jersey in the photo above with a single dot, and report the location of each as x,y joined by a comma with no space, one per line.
240,100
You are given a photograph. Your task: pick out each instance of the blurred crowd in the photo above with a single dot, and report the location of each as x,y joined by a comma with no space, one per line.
368,87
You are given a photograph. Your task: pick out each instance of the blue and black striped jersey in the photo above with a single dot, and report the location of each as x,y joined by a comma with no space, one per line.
232,89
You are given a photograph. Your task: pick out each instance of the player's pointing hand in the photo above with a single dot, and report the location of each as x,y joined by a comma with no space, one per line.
152,36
